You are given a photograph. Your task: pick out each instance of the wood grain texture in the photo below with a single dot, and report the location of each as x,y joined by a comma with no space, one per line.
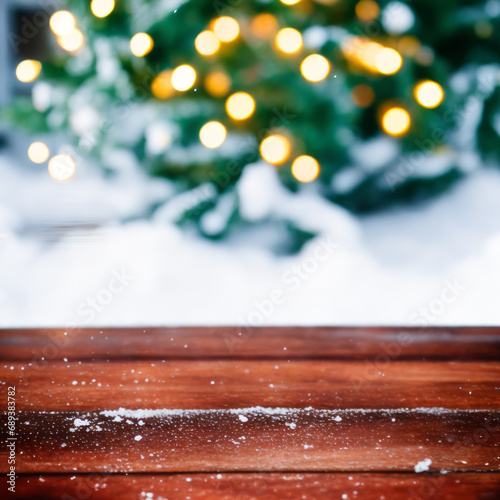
257,440
277,412
269,486
235,384
381,343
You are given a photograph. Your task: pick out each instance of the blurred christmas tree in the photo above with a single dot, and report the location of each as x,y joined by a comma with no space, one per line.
376,102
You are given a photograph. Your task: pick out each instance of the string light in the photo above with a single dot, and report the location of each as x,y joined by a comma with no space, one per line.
429,94
396,121
206,43
141,44
240,105
183,77
367,10
38,152
362,95
315,68
212,134
71,42
217,83
28,70
162,85
275,149
62,167
226,28
62,22
305,168
388,61
102,8
288,40
264,26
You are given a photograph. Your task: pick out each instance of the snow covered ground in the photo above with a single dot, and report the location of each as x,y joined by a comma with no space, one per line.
438,263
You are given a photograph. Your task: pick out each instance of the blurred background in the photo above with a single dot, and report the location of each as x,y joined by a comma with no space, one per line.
210,162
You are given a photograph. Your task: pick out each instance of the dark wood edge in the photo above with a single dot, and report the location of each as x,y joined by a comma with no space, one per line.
226,342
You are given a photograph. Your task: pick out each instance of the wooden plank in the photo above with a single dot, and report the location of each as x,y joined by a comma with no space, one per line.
381,343
257,439
270,486
331,384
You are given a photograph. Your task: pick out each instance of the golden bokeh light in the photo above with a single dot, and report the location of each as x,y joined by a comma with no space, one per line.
62,22
72,41
289,2
226,28
362,95
62,167
183,77
388,61
212,134
288,40
217,83
315,68
240,105
305,168
28,70
275,149
264,26
396,121
206,43
38,152
102,8
429,94
162,85
367,10
141,44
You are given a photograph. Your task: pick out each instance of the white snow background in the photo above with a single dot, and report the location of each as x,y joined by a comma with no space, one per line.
63,244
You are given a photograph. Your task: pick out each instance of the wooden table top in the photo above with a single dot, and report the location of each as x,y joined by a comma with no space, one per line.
226,412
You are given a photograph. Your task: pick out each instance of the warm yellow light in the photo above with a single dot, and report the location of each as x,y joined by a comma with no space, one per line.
212,134
396,121
290,2
226,28
62,22
429,94
315,68
28,70
217,83
102,8
183,77
288,40
38,152
367,10
388,61
207,43
362,95
141,44
305,168
71,42
162,85
240,105
62,167
275,149
264,25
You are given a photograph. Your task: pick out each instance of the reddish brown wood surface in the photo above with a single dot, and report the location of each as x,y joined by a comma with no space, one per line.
297,384
381,343
368,401
271,486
